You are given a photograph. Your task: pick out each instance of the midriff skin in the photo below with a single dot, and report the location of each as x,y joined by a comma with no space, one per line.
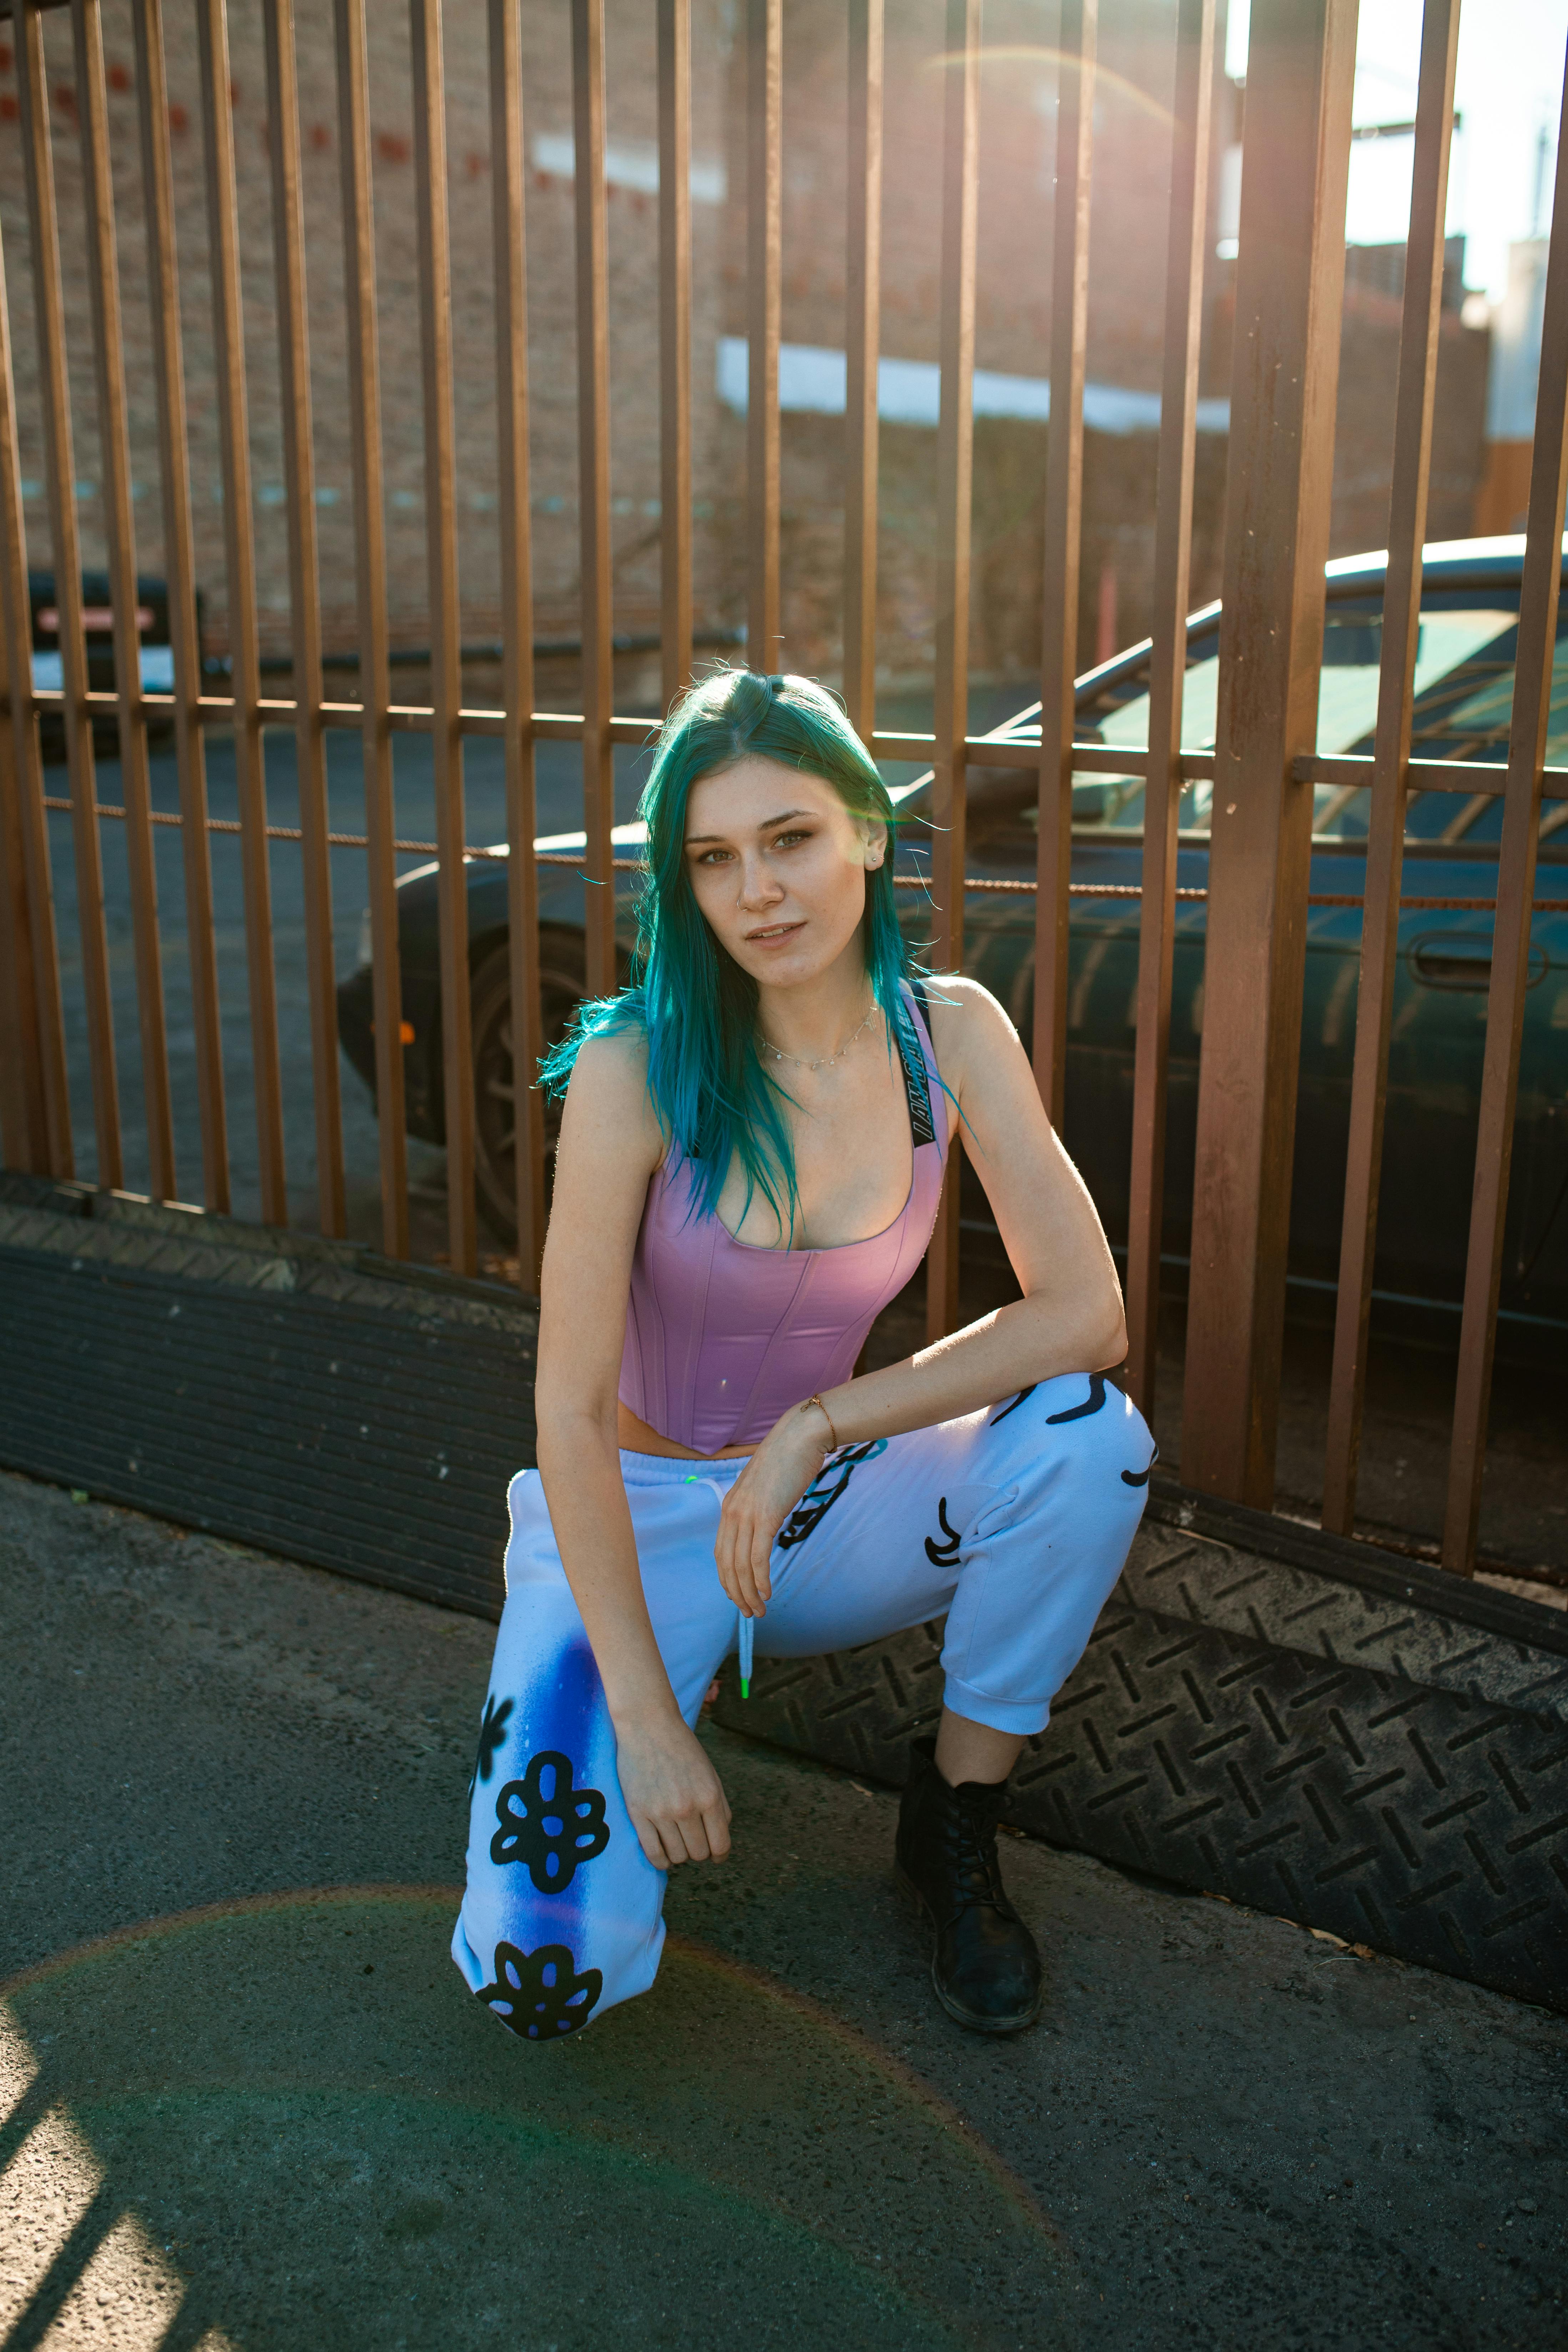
636,1437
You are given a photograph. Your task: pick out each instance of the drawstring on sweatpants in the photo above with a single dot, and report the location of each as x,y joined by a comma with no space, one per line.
746,1635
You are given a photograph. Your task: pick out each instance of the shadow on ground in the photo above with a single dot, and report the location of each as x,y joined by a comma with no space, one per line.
341,2148
245,2105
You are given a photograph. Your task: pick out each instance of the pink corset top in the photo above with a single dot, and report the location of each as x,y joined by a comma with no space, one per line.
722,1337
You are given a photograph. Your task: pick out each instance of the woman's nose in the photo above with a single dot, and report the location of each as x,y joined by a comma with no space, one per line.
758,886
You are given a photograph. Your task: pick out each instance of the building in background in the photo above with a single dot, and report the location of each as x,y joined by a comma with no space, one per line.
1504,491
1018,164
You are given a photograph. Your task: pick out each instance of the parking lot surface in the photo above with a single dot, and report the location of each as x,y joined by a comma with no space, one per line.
245,2101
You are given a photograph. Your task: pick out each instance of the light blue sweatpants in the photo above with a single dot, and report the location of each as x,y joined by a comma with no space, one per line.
1014,1522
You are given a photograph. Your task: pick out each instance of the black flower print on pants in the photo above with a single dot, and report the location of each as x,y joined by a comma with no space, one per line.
540,1995
492,1735
548,1825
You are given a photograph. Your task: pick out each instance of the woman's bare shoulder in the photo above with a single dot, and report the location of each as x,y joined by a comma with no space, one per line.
608,1104
611,1057
966,1020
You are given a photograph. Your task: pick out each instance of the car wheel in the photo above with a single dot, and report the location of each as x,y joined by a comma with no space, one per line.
495,1090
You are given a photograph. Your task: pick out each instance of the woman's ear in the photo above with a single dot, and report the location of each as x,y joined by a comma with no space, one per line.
876,846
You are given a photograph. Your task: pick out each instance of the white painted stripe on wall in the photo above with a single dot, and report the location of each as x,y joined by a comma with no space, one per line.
813,380
628,163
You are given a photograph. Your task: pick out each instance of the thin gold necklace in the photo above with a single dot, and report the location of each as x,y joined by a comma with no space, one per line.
824,1061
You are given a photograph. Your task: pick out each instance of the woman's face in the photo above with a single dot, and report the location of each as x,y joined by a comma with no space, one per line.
778,865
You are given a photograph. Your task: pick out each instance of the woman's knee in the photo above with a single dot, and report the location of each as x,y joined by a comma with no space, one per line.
1078,1442
1081,1410
560,1915
540,1995
561,1918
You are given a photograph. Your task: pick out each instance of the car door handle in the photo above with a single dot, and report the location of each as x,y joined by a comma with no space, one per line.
1463,959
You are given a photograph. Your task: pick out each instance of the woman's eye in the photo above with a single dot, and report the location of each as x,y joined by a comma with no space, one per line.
788,840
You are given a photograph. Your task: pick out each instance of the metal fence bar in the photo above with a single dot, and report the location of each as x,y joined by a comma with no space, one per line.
765,270
517,628
42,1103
971,882
1078,28
445,681
1289,287
1391,754
23,1143
373,715
239,544
180,582
1539,587
1476,778
862,339
59,466
675,346
954,479
594,487
304,599
1186,252
114,450
984,751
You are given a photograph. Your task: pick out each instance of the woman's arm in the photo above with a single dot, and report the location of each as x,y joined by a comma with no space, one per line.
1069,1318
609,1147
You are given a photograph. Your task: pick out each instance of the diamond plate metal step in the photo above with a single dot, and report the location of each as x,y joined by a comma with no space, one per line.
1375,1762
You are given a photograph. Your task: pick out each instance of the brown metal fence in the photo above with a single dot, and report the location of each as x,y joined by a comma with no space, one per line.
1264,766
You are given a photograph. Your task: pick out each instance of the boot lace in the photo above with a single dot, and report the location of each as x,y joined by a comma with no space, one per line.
970,1842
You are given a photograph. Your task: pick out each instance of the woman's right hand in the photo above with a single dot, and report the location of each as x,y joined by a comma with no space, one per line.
673,1794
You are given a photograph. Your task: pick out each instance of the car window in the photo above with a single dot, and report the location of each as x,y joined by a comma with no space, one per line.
1449,646
1464,694
1465,714
1002,814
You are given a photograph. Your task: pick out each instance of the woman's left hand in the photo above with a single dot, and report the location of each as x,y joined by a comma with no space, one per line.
758,1503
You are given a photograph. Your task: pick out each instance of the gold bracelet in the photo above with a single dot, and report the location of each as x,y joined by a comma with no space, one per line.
827,1417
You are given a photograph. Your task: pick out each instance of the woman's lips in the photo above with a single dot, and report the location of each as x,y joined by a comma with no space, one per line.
773,934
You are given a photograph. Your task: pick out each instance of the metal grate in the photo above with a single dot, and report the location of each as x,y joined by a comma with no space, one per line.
1353,1754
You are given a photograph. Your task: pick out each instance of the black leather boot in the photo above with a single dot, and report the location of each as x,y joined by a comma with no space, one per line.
985,1968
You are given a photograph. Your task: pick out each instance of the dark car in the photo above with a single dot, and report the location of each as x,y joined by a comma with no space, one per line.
1463,694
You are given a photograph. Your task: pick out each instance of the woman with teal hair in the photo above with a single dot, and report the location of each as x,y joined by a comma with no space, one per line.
751,1159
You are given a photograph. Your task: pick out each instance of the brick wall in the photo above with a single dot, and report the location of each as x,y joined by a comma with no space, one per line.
1013,325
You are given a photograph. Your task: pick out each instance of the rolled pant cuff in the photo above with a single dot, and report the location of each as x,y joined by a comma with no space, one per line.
1021,1716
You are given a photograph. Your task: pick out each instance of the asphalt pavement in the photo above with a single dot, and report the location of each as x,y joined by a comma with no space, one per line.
247,2105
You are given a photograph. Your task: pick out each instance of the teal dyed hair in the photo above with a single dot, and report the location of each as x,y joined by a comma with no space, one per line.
714,1099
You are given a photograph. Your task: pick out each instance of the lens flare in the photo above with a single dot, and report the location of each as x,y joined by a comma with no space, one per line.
1018,53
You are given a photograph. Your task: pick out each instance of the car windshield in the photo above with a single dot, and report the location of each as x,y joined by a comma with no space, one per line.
1464,694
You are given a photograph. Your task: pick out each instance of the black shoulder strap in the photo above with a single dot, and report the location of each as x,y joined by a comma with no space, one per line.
917,1081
